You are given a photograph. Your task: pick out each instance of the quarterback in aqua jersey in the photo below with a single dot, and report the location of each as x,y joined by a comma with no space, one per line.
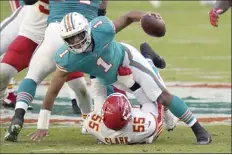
91,48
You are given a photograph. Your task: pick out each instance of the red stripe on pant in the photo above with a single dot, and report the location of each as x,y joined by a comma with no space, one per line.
74,75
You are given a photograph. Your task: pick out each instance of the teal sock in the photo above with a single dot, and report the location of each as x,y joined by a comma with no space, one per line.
26,91
179,108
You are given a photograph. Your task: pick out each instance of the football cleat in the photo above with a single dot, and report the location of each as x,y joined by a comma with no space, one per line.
75,108
169,120
13,130
149,53
84,131
10,100
203,137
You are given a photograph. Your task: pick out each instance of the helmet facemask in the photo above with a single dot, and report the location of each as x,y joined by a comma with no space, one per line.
79,42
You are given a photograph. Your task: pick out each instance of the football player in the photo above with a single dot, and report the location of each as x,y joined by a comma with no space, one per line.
8,32
218,9
85,51
117,122
21,48
42,63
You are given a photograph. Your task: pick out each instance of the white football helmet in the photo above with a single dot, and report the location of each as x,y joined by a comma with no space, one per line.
76,32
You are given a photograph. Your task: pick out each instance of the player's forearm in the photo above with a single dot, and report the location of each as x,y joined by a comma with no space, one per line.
127,19
53,90
223,5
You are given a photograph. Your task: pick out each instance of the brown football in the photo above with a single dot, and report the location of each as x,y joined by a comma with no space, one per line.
153,25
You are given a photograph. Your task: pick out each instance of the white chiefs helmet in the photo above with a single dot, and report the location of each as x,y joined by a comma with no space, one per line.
75,31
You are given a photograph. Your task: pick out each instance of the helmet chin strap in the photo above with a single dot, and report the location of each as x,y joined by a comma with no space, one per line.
90,47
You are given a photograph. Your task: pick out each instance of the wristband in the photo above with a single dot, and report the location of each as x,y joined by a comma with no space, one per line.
43,120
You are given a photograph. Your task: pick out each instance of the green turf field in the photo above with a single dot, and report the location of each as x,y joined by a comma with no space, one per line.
70,140
193,49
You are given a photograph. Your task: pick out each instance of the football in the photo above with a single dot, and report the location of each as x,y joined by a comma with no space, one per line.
153,25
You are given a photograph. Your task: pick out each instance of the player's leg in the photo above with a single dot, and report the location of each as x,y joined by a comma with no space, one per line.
8,32
77,83
72,96
156,90
41,65
15,60
9,28
155,60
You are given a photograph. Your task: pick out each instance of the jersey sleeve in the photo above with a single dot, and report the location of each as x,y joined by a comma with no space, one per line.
102,29
61,59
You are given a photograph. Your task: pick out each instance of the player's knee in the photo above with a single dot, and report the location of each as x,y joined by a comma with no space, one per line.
6,73
33,77
165,98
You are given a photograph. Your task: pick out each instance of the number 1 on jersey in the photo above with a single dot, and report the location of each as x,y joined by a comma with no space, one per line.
105,65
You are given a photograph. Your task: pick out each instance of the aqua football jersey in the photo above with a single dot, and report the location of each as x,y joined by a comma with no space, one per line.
105,58
58,9
21,2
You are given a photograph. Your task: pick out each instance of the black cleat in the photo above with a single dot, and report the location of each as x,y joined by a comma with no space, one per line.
13,130
203,137
204,140
76,109
148,52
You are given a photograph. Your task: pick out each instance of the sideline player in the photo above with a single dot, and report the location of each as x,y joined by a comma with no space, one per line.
8,32
85,51
19,52
117,122
218,9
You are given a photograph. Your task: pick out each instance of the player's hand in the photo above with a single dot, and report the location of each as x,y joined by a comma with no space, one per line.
157,15
39,134
125,76
214,16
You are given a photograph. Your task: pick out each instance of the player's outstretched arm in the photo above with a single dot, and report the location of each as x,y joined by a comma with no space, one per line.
127,19
58,80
